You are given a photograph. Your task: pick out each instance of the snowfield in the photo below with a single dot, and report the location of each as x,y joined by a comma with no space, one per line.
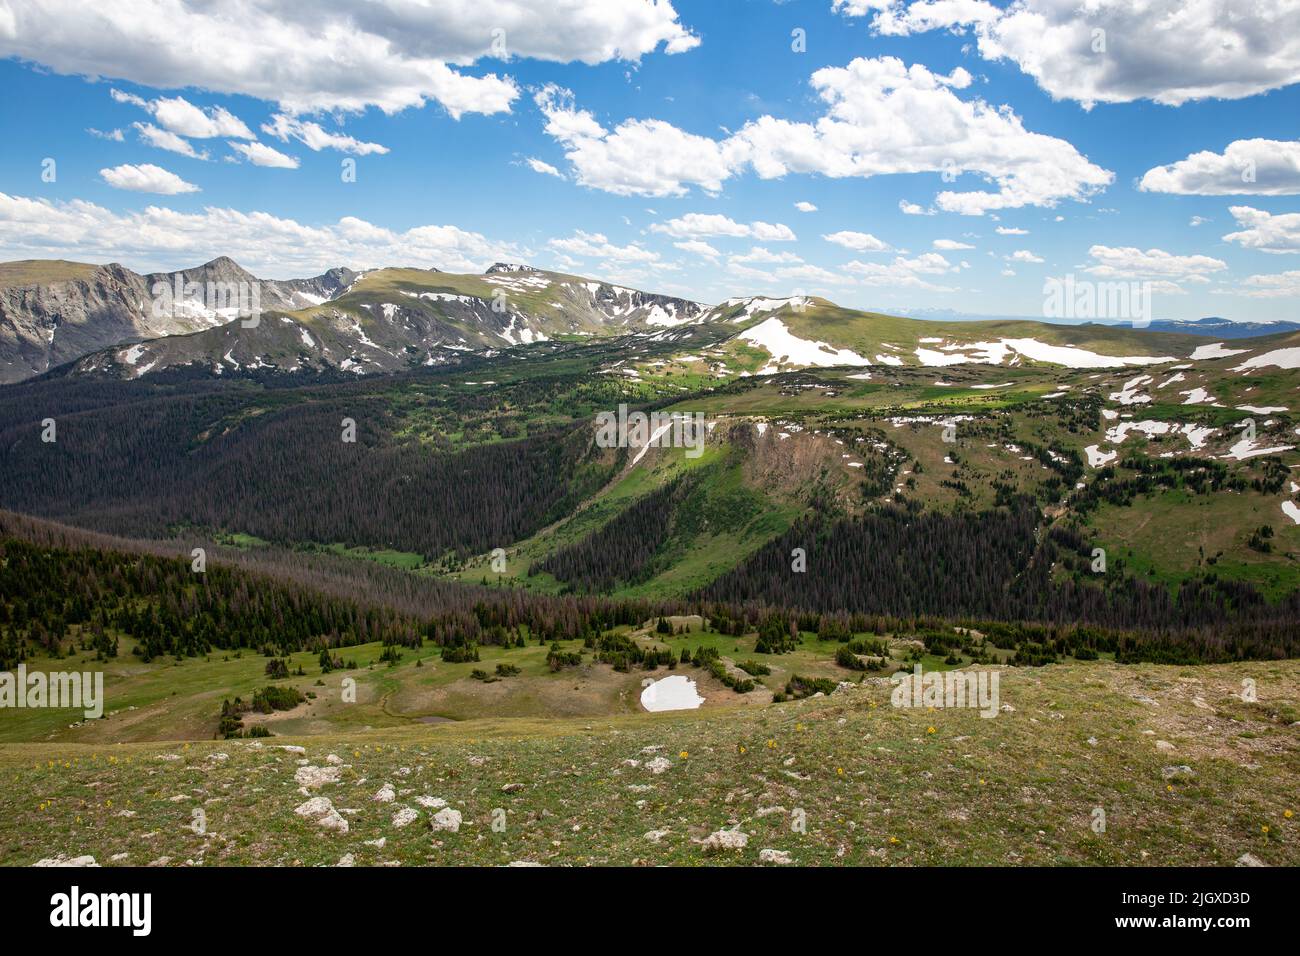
787,348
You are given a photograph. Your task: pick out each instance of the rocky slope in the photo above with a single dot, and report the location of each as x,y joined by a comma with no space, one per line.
52,312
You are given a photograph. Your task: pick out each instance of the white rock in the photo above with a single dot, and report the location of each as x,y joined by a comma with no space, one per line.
67,861
316,776
404,817
774,856
431,803
658,765
321,811
386,794
725,840
447,819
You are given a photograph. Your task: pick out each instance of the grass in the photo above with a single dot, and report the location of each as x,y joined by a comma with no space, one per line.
874,784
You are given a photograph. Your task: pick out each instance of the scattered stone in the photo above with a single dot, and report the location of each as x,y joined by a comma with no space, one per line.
774,856
768,811
447,819
293,749
1092,741
1182,770
431,803
654,836
378,844
333,760
320,810
312,777
62,860
512,787
1250,859
725,840
386,794
346,860
658,765
1165,746
404,817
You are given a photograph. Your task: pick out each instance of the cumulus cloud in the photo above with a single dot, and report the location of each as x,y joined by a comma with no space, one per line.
636,158
165,139
1261,167
1129,262
1024,255
713,224
387,53
912,209
259,154
546,169
857,241
1264,231
146,178
880,117
698,247
951,245
805,207
904,272
178,115
1169,51
114,135
312,135
758,254
1277,286
594,245
158,238
1011,231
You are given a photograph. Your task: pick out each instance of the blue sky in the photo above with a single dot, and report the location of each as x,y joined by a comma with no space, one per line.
677,140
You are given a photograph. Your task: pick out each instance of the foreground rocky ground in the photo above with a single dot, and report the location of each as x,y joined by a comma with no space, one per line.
1084,764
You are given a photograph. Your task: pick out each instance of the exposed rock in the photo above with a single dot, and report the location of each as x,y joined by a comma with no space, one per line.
320,810
774,856
725,840
447,819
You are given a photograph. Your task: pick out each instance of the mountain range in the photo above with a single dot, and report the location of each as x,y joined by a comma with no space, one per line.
109,320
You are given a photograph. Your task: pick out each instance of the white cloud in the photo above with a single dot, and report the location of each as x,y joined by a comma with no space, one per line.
805,207
1011,231
951,245
857,241
1024,255
760,254
1264,231
158,238
714,224
115,135
165,139
698,247
1277,286
334,56
1102,51
1198,221
594,245
314,137
146,178
880,117
638,158
912,209
259,154
904,272
1261,167
546,169
1129,262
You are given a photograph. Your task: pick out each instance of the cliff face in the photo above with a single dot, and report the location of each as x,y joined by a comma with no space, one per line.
52,312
